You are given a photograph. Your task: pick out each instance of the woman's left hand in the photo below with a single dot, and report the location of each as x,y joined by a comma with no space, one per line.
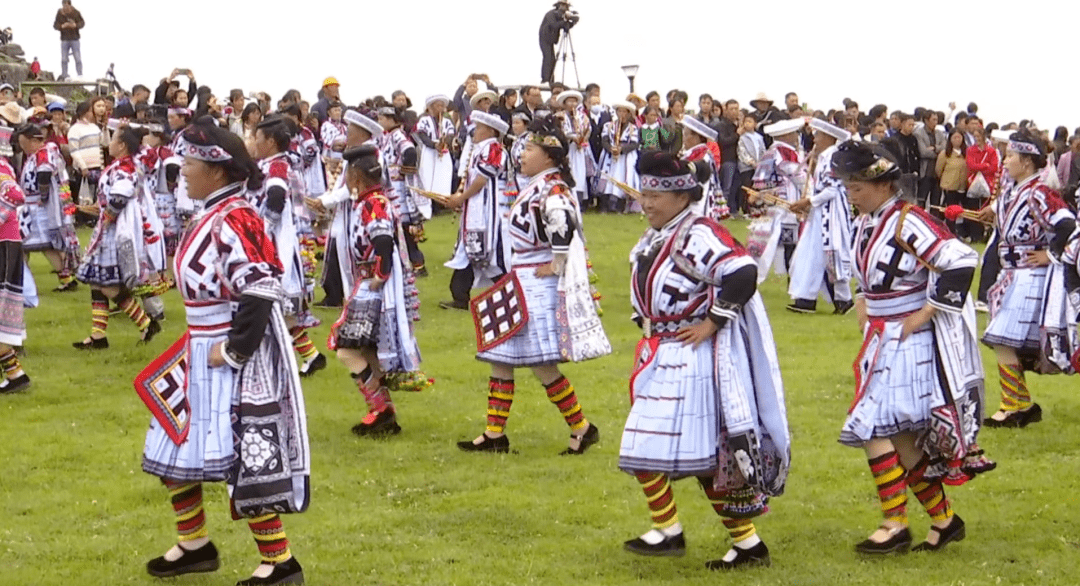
916,321
697,333
1037,258
545,271
217,355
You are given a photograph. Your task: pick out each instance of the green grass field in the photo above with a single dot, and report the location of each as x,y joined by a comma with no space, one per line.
75,507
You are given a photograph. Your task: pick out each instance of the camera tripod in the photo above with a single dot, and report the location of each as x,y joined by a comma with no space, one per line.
565,50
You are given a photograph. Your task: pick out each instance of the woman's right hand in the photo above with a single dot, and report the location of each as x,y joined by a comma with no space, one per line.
216,359
860,311
987,214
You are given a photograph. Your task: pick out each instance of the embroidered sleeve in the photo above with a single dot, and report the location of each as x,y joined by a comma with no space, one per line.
121,190
713,256
559,216
11,194
248,328
490,161
1053,211
952,260
249,260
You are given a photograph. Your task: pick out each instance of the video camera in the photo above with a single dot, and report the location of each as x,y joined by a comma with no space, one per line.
569,19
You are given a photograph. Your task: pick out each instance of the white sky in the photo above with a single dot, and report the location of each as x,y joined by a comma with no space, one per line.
902,54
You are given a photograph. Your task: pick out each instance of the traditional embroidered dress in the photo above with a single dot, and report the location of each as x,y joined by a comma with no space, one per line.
930,383
398,175
332,133
276,205
153,227
12,324
117,254
482,242
701,155
576,128
243,423
1029,309
782,172
339,201
562,324
380,319
44,224
314,173
623,167
184,205
436,170
716,410
161,177
822,259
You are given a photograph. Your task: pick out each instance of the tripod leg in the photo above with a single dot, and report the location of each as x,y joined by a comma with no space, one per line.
573,56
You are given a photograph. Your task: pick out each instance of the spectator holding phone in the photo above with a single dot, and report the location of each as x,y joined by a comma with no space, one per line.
68,21
166,90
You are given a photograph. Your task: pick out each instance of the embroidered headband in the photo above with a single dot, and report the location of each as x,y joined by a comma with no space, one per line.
1024,148
210,153
547,141
677,183
387,111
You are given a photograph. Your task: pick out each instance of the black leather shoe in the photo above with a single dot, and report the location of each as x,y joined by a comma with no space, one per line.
591,437
671,546
287,572
843,307
329,304
498,445
151,330
204,559
14,385
755,556
385,424
1017,419
68,287
462,305
954,531
93,344
900,542
317,364
421,272
803,306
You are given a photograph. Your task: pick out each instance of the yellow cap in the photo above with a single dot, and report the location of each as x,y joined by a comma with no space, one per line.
330,81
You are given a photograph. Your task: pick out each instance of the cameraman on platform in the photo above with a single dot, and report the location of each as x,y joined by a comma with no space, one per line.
559,19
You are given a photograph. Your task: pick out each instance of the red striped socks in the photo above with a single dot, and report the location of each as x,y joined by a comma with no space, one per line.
561,393
270,538
99,313
1014,391
375,394
133,310
500,398
303,344
187,502
889,476
930,493
661,499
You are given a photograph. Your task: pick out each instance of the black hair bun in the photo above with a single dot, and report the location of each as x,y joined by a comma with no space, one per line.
357,153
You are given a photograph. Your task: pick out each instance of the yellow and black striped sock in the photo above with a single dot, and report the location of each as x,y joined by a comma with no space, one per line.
660,497
500,398
1014,392
187,502
134,311
303,344
270,538
9,361
561,393
99,313
889,475
740,529
929,492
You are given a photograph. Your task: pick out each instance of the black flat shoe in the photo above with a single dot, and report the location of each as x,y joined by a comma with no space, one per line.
68,287
844,307
1017,419
151,330
204,559
14,385
421,273
498,445
803,306
591,437
317,364
329,304
93,344
385,424
900,542
954,531
671,546
462,305
755,556
287,572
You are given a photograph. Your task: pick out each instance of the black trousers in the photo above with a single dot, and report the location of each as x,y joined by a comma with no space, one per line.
332,285
929,192
547,67
991,266
961,226
461,284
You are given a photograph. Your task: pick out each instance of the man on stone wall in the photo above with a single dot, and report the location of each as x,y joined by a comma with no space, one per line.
69,22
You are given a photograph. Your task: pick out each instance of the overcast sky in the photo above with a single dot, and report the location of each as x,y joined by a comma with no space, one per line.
903,54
